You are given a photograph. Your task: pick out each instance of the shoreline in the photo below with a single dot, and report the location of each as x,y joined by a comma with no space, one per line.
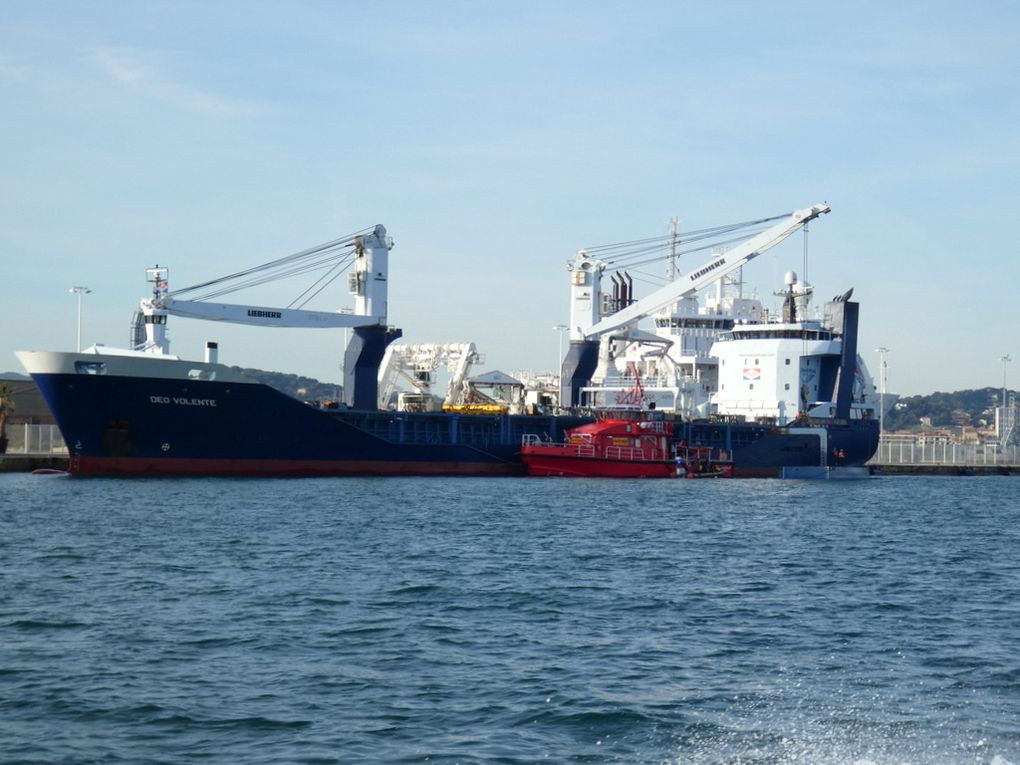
26,463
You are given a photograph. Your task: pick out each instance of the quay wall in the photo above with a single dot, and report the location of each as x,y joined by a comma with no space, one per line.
26,463
947,470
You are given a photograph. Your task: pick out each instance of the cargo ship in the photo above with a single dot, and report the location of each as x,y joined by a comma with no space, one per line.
142,411
124,414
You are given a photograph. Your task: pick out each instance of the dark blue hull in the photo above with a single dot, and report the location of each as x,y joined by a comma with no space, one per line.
134,425
760,451
157,426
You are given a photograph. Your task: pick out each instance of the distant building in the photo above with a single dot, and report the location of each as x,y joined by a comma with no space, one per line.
934,437
1007,420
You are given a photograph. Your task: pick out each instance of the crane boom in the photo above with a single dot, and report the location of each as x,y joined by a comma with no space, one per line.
367,283
264,316
703,275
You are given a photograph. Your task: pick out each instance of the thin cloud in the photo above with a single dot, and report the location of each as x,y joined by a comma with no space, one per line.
127,69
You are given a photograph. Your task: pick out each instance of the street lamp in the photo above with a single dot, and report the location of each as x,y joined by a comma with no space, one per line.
881,351
561,328
79,291
1005,360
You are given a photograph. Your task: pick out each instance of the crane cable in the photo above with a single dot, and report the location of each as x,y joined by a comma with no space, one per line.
306,260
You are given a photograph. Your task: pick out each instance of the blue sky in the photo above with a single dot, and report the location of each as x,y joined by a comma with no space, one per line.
494,141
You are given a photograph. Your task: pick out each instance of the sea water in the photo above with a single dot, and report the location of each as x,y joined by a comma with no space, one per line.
510,621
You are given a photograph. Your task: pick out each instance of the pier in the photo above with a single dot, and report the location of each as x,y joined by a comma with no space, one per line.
914,456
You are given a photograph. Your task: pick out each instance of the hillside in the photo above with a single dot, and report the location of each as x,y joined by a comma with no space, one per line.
304,388
975,408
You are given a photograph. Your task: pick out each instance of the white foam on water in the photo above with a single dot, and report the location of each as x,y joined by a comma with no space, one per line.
814,746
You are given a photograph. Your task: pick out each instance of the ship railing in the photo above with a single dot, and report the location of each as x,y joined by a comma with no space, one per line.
618,453
575,450
35,439
633,454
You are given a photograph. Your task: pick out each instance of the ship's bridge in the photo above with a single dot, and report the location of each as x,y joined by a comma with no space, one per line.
778,332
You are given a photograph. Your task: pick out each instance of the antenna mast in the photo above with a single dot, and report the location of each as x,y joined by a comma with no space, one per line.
671,261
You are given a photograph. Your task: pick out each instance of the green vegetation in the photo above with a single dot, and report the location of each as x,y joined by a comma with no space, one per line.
975,408
6,407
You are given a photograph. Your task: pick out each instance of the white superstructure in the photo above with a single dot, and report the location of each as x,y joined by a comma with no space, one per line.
781,370
678,372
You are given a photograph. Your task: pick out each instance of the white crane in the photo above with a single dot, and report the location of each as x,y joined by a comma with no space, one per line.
367,282
586,319
590,321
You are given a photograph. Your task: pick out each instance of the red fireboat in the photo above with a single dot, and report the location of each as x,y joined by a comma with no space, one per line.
612,448
623,448
630,442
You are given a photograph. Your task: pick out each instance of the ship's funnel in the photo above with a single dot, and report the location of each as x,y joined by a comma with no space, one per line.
842,315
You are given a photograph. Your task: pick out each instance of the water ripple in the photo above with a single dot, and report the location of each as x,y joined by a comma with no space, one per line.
507,621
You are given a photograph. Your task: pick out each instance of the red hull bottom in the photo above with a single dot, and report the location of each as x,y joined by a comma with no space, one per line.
140,466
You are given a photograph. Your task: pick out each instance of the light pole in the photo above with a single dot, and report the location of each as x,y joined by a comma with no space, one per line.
1005,360
881,351
561,328
79,291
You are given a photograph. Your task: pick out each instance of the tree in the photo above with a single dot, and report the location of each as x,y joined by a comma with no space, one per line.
6,407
